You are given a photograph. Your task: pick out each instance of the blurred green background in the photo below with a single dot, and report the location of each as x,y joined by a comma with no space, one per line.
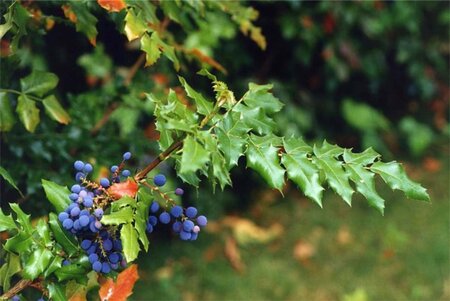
360,74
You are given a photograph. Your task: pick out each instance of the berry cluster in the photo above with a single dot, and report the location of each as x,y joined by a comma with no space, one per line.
186,223
83,217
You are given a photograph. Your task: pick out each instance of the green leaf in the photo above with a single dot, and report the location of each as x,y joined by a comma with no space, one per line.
57,195
363,117
256,119
193,158
394,175
262,156
365,158
9,268
37,263
54,265
21,242
44,232
73,271
167,50
135,26
204,106
258,96
7,119
86,21
301,170
55,110
6,222
22,218
39,83
151,48
123,202
67,241
5,27
56,292
336,176
141,216
5,174
28,112
127,119
130,242
125,215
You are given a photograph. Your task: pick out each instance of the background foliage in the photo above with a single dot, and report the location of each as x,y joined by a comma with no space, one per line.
357,73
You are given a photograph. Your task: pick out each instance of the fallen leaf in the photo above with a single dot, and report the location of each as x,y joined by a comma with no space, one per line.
233,255
112,5
122,288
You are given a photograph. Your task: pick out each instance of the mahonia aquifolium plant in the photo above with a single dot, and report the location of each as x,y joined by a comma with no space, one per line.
89,200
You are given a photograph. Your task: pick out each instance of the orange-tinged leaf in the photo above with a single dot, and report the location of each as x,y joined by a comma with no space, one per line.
112,5
208,60
127,188
122,288
69,14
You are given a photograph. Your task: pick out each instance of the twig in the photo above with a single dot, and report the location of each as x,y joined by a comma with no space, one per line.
18,287
104,119
134,69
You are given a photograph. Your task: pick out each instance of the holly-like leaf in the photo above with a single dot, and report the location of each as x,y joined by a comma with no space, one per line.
5,27
262,156
22,218
7,119
44,232
11,267
130,242
218,167
256,119
260,96
55,110
54,265
366,157
394,175
28,112
21,242
112,5
6,222
204,106
336,176
56,292
141,216
167,50
67,241
125,215
5,175
125,201
135,26
57,195
122,288
37,263
77,271
301,170
151,48
38,83
194,157
84,20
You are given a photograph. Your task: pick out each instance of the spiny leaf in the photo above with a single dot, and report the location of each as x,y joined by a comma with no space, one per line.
54,265
194,157
217,166
28,112
301,170
262,156
7,119
55,110
6,222
57,195
259,96
141,216
204,106
21,242
112,5
130,242
37,263
135,26
84,20
56,292
39,83
67,241
5,174
167,50
394,175
125,215
366,157
11,267
22,218
336,177
256,119
44,232
151,48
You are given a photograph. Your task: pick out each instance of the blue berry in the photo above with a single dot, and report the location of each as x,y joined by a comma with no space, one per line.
66,262
92,249
154,207
177,226
63,216
185,235
78,165
83,193
92,227
107,245
164,218
75,211
88,168
149,228
188,225
114,168
88,202
41,299
97,266
126,173
104,182
191,212
73,197
76,225
98,213
75,188
106,268
68,224
160,180
84,212
176,211
117,245
202,221
179,191
93,258
79,176
114,258
127,156
194,236
114,266
152,220
15,298
97,225
84,220
86,244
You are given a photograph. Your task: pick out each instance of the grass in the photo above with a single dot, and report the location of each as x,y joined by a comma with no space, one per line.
349,254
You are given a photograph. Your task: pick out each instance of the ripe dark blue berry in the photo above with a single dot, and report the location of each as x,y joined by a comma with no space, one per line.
160,180
104,182
191,212
202,221
176,211
179,191
78,165
127,156
164,218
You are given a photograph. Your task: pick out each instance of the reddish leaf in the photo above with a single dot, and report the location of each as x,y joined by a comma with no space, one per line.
122,288
112,5
207,60
128,188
